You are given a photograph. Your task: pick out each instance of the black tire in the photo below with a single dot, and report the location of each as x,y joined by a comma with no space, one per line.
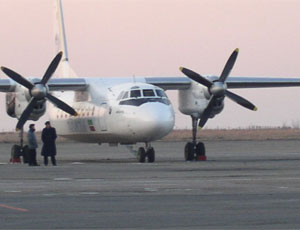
189,151
25,153
200,149
141,155
151,155
15,151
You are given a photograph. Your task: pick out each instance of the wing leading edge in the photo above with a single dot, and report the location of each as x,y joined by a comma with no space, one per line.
181,83
261,82
55,84
167,83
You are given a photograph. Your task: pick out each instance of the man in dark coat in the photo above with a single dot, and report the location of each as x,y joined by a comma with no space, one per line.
32,146
49,147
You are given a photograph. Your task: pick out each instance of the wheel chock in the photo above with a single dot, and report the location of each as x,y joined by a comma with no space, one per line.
201,158
15,160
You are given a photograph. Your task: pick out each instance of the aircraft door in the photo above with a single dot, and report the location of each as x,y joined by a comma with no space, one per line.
103,113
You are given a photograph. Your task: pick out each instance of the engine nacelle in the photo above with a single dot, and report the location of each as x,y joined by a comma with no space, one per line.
17,102
10,99
193,101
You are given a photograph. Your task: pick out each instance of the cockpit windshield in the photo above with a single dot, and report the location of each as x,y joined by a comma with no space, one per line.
135,93
120,96
137,97
125,96
148,93
160,93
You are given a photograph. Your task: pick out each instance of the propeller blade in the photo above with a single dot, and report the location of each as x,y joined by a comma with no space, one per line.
228,67
52,67
207,112
196,77
26,113
241,101
62,105
17,77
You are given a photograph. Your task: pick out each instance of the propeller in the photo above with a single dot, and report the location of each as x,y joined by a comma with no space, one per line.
38,91
218,88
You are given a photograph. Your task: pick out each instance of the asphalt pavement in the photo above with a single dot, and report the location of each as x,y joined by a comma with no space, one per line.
242,185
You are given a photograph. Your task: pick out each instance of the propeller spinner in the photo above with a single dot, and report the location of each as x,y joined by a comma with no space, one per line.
38,91
218,88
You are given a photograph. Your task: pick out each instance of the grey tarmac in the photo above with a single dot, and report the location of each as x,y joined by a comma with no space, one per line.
242,185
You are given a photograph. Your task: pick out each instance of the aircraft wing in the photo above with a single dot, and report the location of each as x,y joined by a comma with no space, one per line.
55,84
167,83
179,83
261,82
7,85
67,84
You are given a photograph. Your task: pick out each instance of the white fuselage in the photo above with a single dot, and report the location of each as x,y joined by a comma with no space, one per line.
105,116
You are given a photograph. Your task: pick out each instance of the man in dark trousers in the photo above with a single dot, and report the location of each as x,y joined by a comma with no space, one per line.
49,147
32,146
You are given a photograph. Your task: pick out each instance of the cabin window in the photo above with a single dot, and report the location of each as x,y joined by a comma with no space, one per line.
148,93
135,93
160,93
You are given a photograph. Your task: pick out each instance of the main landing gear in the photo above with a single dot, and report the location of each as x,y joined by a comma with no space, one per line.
194,150
149,153
19,150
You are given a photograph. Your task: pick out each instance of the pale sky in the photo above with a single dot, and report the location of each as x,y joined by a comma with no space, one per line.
156,37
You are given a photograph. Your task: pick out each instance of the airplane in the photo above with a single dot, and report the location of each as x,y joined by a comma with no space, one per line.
120,110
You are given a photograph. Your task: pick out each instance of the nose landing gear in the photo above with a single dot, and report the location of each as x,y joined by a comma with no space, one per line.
149,153
194,150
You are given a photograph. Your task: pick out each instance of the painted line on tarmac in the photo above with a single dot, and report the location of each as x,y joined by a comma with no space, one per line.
254,179
12,191
62,179
50,194
14,208
151,189
89,193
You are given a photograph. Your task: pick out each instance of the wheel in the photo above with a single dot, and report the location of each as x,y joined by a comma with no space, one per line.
200,149
151,155
15,154
15,151
25,153
189,151
141,155
200,152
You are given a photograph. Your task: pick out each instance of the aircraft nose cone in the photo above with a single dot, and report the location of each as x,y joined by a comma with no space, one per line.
154,121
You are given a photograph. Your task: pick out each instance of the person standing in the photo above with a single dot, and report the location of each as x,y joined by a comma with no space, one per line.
49,148
32,145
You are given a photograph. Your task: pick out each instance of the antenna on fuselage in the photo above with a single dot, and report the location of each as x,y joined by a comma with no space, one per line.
134,80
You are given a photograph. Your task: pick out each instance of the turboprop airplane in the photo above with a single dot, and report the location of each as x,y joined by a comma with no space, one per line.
120,110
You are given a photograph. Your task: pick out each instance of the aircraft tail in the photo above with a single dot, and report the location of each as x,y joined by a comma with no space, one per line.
64,69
